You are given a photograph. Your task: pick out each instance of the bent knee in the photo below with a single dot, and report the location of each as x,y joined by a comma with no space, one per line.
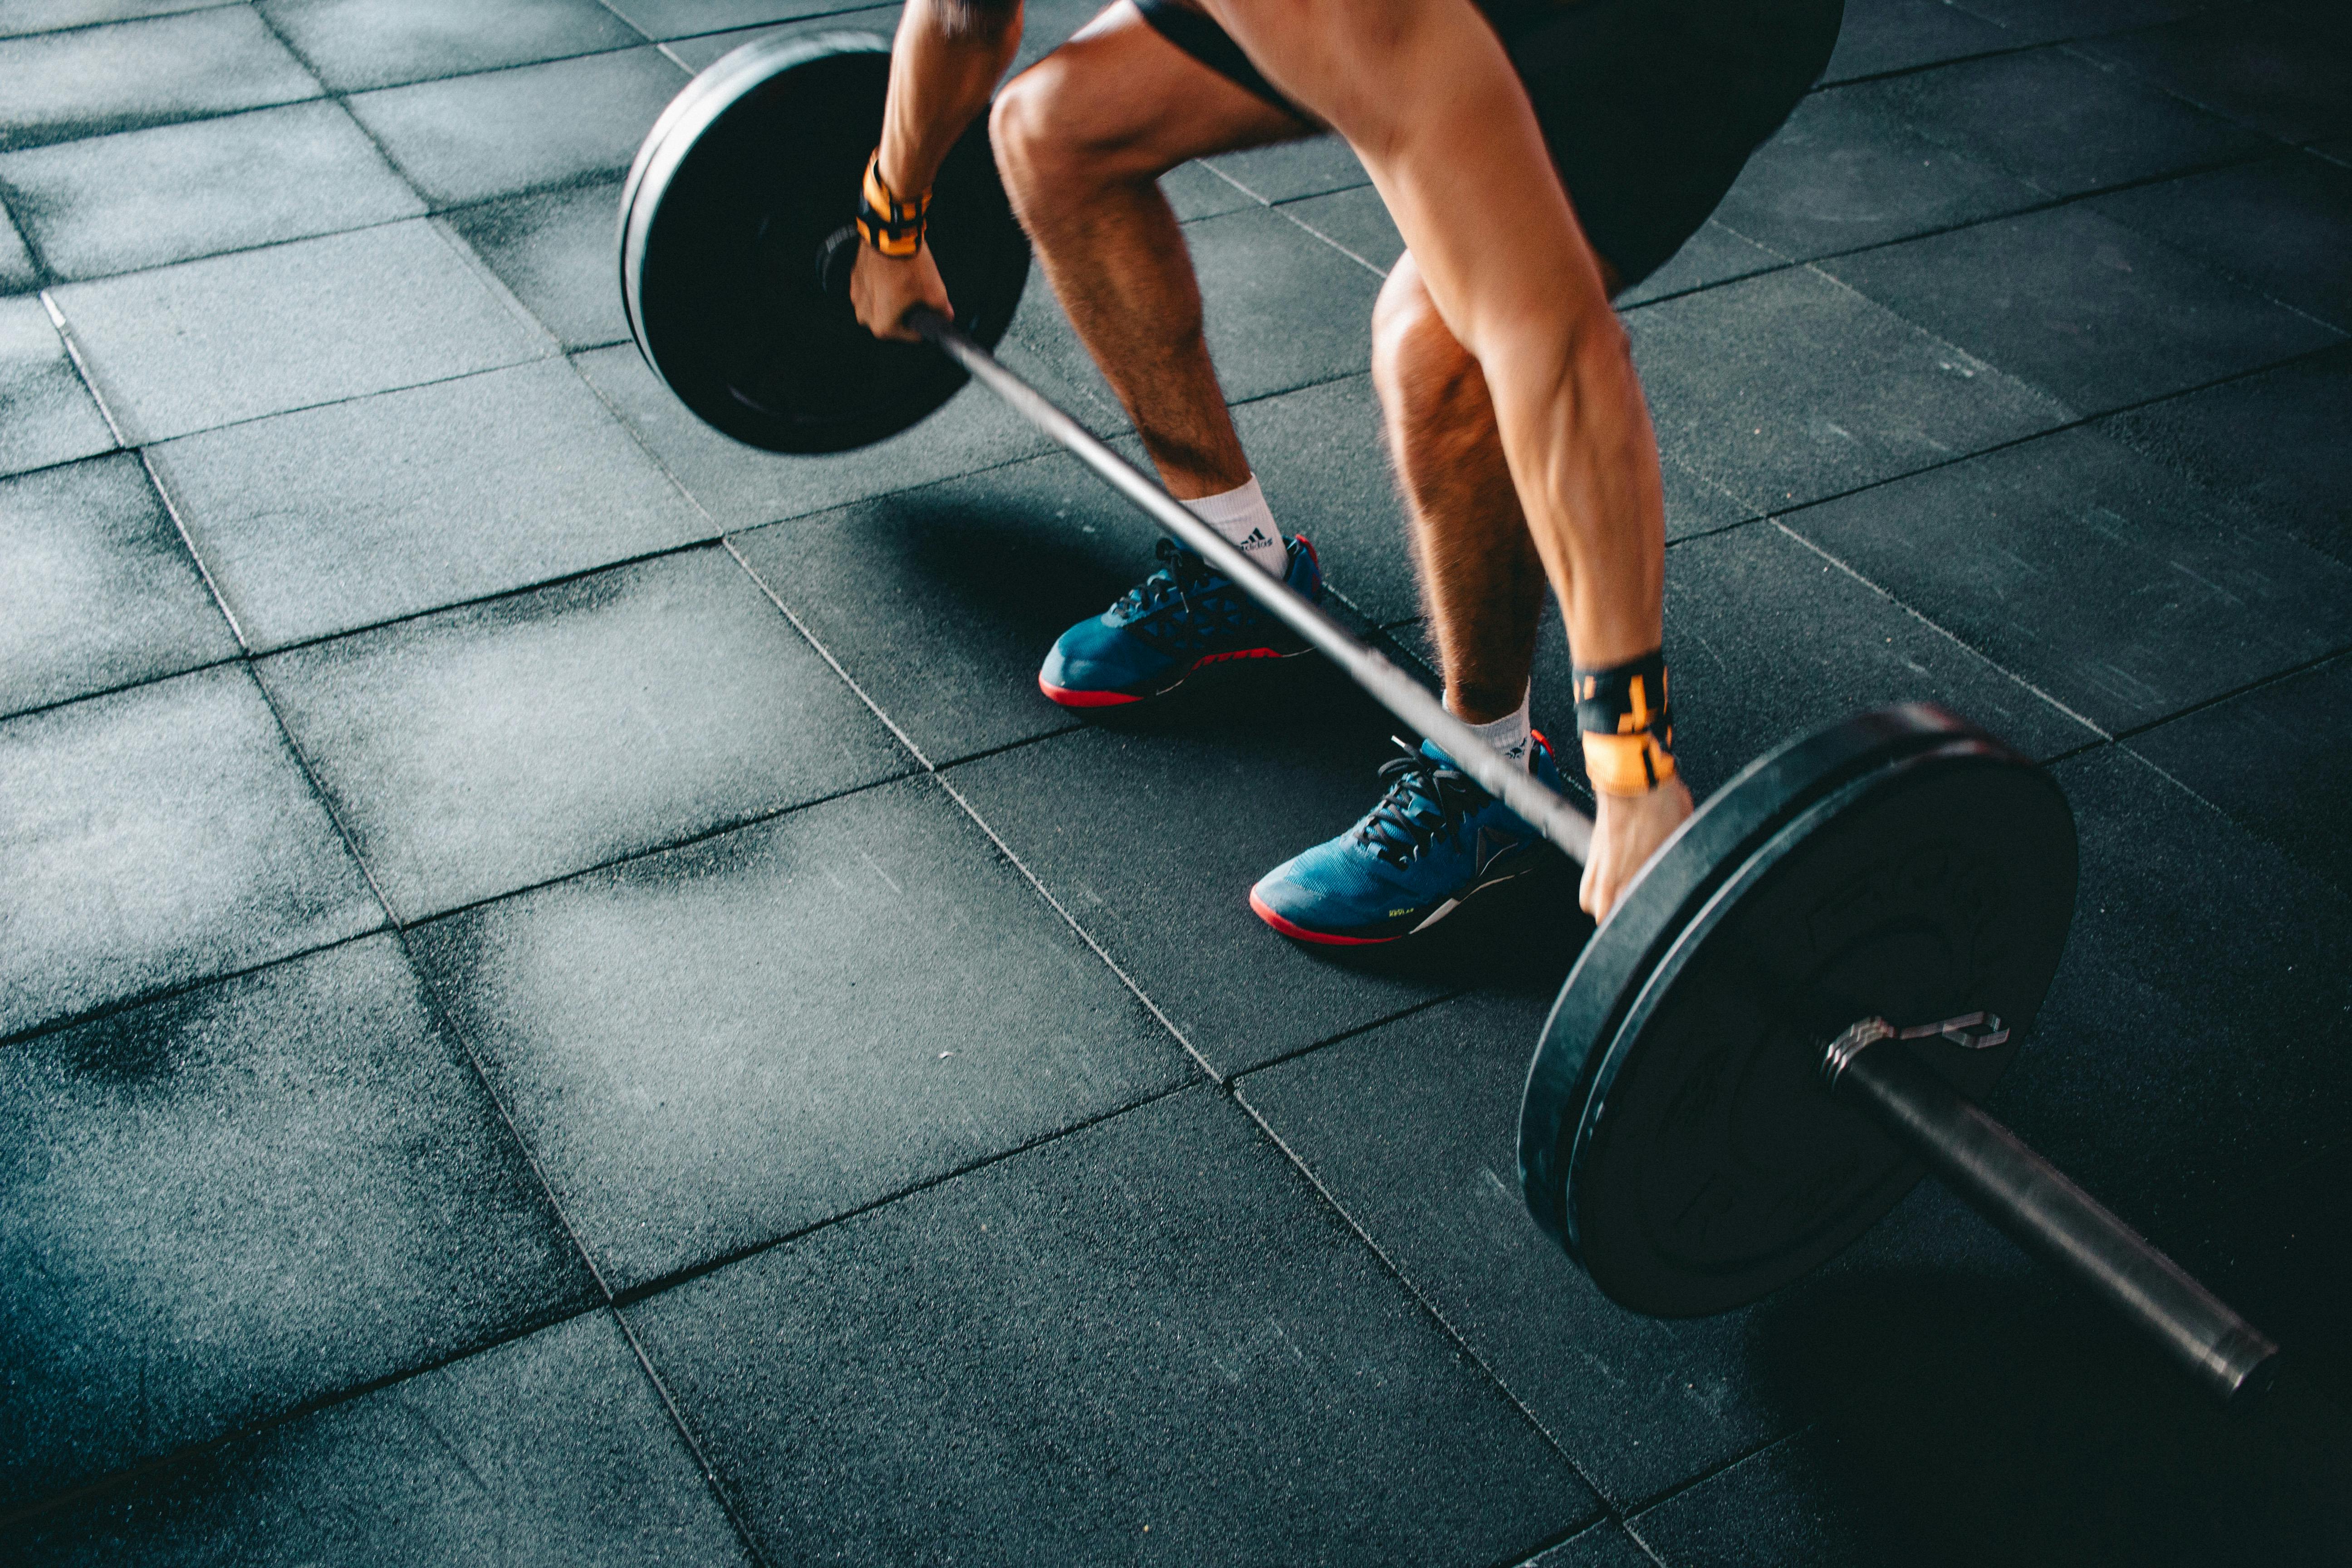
1411,344
1056,128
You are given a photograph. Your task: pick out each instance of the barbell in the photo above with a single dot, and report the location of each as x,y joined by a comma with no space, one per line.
1787,1017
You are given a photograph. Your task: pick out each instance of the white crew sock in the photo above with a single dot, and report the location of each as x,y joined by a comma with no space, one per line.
1510,733
1247,523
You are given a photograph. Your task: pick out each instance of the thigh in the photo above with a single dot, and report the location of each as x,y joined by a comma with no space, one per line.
1120,88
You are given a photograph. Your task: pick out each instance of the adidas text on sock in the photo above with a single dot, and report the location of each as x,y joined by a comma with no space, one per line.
1245,520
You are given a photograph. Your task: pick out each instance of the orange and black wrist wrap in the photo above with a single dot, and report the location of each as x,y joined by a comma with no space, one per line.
1629,739
890,224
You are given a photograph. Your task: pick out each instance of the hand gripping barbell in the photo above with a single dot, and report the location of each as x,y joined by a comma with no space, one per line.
1785,1019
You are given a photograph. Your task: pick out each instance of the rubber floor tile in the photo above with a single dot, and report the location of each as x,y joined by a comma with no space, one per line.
100,592
2094,573
209,342
2058,1442
115,204
49,15
17,272
1789,387
1605,1545
1845,171
1356,220
2062,122
2276,759
2284,225
550,1451
507,744
1882,36
713,1047
358,44
2280,442
1713,254
2202,961
46,414
941,602
1286,170
1152,1323
1412,1129
555,251
742,487
2278,68
247,1198
56,87
2094,313
157,838
1284,309
684,18
467,139
438,494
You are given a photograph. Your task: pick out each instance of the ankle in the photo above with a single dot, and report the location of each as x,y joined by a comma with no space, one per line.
1509,735
1246,522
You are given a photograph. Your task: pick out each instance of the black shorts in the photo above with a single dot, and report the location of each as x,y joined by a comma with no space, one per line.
1650,107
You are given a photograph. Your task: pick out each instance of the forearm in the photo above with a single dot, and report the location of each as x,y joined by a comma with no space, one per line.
1424,94
944,64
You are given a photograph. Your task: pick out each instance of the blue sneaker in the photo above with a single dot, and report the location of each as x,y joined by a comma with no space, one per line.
1434,839
1184,618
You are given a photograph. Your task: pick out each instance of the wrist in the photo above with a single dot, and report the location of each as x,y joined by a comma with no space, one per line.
1622,721
888,221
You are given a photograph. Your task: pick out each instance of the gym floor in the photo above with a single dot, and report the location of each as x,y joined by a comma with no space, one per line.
564,999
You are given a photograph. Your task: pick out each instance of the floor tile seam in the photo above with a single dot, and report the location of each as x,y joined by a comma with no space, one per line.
80,279
157,995
121,21
437,78
667,847
81,364
695,1450
38,709
1100,950
1529,1558
2124,737
1066,727
1428,1308
135,1474
1941,630
269,651
643,1290
196,117
2136,74
812,515
2075,420
496,287
792,21
178,516
1278,208
1353,1031
2054,200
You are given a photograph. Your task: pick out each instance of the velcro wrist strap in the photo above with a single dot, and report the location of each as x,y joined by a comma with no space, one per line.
1628,734
889,223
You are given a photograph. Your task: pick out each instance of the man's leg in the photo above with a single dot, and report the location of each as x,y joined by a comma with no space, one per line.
1481,578
1082,138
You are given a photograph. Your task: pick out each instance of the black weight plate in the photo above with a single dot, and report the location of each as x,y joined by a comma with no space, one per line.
1676,1135
743,179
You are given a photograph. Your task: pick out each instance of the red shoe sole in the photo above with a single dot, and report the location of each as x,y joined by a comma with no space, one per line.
1069,699
1259,908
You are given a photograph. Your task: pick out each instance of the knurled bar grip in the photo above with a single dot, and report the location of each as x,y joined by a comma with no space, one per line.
2045,1213
1395,690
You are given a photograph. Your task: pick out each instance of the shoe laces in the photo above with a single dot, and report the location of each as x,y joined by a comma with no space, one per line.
1426,800
1181,571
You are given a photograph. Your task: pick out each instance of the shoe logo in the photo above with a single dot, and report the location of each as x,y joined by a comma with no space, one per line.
1493,846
